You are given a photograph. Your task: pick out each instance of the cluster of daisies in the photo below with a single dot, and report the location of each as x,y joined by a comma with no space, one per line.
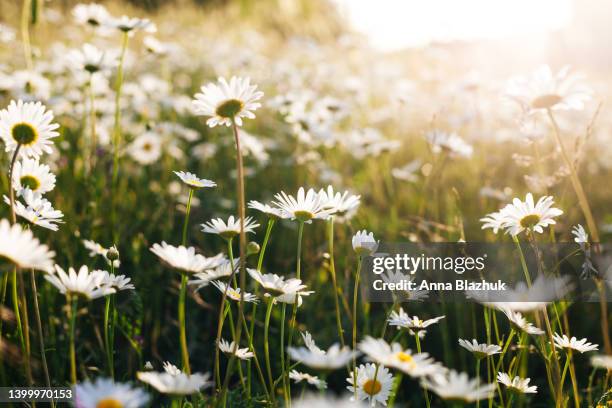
27,129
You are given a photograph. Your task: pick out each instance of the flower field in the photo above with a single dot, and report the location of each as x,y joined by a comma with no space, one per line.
192,197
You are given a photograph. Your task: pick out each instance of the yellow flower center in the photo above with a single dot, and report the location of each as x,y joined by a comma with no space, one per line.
530,220
24,134
404,357
546,101
229,108
109,403
302,215
372,387
30,182
147,147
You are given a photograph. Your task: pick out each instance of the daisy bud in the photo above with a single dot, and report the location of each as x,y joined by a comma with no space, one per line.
253,248
112,254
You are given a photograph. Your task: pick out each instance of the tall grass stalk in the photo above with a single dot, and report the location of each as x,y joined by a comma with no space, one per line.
117,134
355,299
590,220
332,270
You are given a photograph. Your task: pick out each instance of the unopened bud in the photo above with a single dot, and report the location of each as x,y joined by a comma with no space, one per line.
253,248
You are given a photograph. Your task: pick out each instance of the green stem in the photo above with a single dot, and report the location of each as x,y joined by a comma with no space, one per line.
243,244
187,212
117,132
523,262
355,298
332,270
418,347
41,335
262,252
25,34
298,270
72,310
478,378
92,124
109,357
267,349
181,318
282,356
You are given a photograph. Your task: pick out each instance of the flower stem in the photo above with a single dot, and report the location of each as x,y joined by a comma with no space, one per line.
355,298
72,310
267,348
298,271
243,244
109,358
260,259
572,371
182,295
181,318
92,124
187,212
332,270
282,356
117,133
25,33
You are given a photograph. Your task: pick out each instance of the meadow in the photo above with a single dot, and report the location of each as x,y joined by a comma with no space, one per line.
189,196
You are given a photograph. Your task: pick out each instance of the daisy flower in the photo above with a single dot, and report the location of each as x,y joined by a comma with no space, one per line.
96,249
37,210
455,386
343,206
223,271
128,24
522,215
231,228
146,149
407,172
171,368
310,379
373,383
185,259
118,282
291,297
304,207
90,59
84,283
517,384
177,384
274,285
402,320
393,355
450,143
232,293
494,220
19,247
30,174
28,125
225,102
544,90
524,298
580,235
480,351
519,322
335,357
231,348
364,243
193,181
268,210
104,392
602,361
582,346
92,14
